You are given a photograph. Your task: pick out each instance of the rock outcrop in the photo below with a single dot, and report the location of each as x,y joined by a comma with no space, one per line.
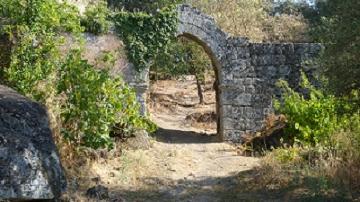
30,167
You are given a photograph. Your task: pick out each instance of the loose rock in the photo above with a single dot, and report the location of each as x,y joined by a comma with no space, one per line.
98,192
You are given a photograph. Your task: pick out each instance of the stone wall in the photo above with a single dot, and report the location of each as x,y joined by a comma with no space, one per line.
247,91
246,72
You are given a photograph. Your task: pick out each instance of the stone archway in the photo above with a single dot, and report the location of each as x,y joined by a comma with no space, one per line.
246,72
203,30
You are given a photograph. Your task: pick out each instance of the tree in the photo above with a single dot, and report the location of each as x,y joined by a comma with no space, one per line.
238,17
197,63
338,29
185,57
255,20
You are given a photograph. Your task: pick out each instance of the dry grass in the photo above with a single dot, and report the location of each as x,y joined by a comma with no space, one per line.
318,172
313,173
344,166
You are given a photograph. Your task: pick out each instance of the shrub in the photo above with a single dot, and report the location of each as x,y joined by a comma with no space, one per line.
311,121
87,103
95,103
33,61
43,15
95,18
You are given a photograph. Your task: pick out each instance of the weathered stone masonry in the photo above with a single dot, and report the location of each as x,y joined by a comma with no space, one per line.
246,72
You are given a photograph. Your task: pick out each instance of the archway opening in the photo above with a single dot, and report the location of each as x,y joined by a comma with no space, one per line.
183,96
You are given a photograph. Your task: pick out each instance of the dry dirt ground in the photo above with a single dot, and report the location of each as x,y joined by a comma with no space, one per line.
185,162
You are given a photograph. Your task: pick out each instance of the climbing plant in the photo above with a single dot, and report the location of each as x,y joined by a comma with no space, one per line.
146,35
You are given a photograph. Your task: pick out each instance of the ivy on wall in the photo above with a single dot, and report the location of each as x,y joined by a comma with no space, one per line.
146,35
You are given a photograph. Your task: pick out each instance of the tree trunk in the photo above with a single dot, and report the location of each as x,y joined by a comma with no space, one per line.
200,93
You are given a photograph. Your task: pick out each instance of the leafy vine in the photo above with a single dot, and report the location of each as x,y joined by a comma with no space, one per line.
146,35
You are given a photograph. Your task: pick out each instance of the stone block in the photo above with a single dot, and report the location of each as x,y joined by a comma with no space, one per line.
236,98
233,112
233,136
234,124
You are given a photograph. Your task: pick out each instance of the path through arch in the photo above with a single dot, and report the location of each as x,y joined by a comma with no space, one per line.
246,73
201,169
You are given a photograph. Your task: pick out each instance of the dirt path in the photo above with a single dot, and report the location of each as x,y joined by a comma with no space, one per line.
185,161
180,166
193,167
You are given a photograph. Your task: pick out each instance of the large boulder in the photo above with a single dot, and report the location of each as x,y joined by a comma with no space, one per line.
30,167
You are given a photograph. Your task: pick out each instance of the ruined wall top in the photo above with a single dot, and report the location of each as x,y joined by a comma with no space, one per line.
203,29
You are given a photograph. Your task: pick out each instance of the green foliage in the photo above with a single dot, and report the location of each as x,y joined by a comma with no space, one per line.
145,35
315,120
34,59
338,29
311,121
286,155
5,54
90,102
184,57
149,6
95,18
96,103
33,25
45,15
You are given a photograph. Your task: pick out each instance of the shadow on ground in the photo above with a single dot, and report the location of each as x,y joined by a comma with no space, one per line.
228,189
184,137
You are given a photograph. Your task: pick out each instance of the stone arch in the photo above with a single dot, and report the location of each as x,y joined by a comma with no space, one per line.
246,73
203,30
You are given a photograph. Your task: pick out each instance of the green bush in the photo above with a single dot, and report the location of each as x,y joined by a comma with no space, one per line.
95,18
35,58
34,61
96,103
43,15
315,120
311,121
90,102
